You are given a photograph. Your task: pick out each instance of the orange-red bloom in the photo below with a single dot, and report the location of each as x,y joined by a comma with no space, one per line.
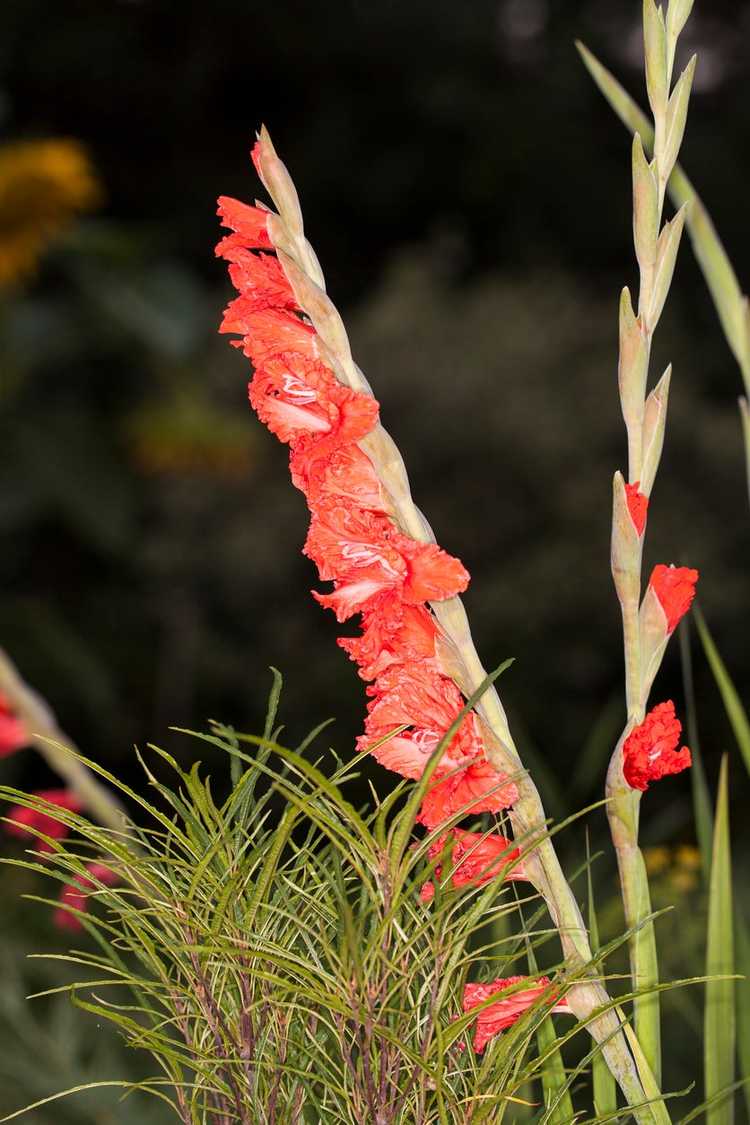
75,895
674,586
650,751
474,858
392,633
366,556
476,789
250,223
637,506
505,1011
261,281
345,474
13,734
428,703
25,822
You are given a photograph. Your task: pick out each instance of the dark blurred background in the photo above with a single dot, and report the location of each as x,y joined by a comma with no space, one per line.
468,193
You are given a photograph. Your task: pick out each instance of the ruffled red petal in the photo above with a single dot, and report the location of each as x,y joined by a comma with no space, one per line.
345,474
261,282
505,1011
250,223
474,859
650,751
478,788
637,506
674,586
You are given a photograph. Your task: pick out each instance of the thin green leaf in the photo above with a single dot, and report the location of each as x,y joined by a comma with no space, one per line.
742,949
736,713
605,1090
704,817
719,1016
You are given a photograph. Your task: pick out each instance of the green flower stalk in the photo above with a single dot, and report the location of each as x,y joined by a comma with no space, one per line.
646,748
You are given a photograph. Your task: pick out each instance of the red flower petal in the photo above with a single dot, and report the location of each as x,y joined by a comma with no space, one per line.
392,633
433,573
261,282
505,1011
480,787
346,474
650,751
637,506
269,332
674,586
475,858
250,223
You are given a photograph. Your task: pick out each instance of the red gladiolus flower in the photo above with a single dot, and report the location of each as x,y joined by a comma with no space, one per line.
13,734
347,474
25,822
261,281
637,506
392,633
428,703
363,553
475,858
650,751
478,788
76,895
504,1013
674,586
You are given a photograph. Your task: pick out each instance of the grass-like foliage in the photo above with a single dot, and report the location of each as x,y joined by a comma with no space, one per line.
272,952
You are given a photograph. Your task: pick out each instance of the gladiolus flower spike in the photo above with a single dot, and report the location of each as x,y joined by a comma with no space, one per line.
377,571
506,1010
650,751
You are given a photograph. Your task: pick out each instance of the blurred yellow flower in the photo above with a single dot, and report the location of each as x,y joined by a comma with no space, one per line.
656,859
678,868
688,857
43,184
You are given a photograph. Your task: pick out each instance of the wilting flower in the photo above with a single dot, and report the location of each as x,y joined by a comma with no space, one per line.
505,1011
25,822
474,858
650,751
74,896
637,506
376,569
42,185
674,587
13,734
